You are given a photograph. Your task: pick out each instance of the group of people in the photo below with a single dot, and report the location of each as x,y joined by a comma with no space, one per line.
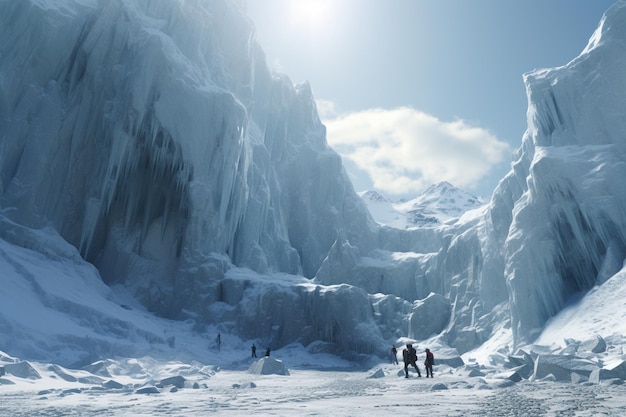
267,351
409,356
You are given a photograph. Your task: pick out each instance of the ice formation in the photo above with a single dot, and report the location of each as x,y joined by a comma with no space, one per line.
156,126
152,137
567,229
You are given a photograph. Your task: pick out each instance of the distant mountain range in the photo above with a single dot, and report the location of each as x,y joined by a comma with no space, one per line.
438,204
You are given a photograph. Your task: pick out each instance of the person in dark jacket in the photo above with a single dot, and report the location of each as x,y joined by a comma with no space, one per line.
429,362
410,358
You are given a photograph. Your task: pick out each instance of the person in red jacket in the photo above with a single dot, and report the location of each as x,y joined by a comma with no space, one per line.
429,362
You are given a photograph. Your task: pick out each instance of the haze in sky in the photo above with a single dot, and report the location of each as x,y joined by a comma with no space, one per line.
414,92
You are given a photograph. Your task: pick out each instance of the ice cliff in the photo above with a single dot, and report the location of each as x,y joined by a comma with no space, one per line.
567,230
157,127
152,137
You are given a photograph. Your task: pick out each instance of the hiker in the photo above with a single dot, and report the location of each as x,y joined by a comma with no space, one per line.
267,351
410,358
253,351
394,354
429,362
218,341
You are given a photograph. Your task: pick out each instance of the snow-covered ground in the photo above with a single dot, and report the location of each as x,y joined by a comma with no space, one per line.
306,391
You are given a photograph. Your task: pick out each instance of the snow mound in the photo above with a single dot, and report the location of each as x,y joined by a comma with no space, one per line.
379,373
268,366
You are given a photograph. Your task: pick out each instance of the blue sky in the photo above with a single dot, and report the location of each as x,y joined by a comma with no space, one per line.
414,92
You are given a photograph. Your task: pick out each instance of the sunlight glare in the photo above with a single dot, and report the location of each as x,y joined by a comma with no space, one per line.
310,14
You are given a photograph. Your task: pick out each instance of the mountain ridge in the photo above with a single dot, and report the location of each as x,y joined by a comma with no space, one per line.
439,204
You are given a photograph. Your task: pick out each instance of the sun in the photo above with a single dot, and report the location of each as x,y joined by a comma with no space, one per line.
311,15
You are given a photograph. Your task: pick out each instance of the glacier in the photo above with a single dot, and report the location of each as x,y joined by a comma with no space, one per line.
569,169
146,146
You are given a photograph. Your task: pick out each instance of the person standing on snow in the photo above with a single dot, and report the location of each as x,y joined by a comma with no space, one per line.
429,362
394,354
410,358
253,350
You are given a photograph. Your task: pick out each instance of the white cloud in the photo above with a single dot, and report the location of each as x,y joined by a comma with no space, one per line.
404,150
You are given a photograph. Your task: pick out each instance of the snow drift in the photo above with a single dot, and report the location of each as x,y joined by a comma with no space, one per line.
268,366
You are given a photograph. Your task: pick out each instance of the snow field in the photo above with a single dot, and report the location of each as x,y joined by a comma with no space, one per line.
321,392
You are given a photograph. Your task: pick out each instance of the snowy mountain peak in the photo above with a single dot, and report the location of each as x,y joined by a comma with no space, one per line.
445,197
440,203
372,196
443,187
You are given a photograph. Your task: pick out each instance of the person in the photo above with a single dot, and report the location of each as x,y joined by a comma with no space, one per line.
253,351
267,351
218,341
409,355
394,354
429,362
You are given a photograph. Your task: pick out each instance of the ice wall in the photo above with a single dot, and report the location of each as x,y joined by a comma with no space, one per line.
555,227
151,134
567,230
